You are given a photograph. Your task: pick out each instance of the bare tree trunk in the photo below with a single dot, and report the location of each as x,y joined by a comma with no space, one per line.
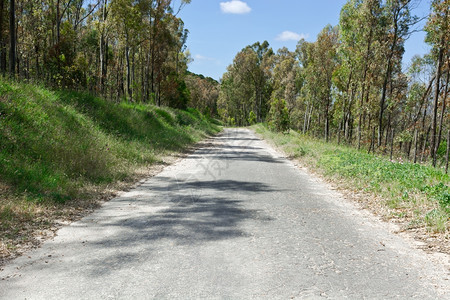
392,142
339,131
425,144
327,124
309,118
443,106
435,105
36,52
58,22
127,57
415,146
388,127
387,75
372,141
2,42
12,38
448,150
305,121
103,50
159,92
147,78
133,78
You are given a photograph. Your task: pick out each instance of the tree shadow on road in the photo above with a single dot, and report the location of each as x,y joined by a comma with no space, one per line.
173,215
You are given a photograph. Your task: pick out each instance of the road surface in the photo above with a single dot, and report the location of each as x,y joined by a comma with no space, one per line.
234,220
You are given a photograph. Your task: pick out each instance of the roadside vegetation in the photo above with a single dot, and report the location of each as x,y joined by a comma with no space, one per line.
352,83
62,150
351,108
417,195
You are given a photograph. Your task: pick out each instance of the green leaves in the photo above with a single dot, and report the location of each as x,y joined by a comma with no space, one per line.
279,116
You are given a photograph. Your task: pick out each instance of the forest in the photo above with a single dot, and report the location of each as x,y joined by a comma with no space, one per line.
119,49
350,85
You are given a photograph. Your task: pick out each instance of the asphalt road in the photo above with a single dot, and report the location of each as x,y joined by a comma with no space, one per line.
234,220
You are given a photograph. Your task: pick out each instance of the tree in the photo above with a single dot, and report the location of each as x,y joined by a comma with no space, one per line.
278,116
204,93
246,85
397,12
12,38
438,35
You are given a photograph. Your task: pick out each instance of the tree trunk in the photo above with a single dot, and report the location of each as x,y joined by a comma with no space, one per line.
309,117
423,157
339,131
435,103
392,142
127,57
415,146
36,62
159,92
133,77
58,21
443,106
448,150
2,42
327,122
387,75
147,78
369,44
103,51
12,38
305,121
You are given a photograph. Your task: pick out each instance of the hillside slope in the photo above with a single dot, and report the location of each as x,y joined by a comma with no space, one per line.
59,149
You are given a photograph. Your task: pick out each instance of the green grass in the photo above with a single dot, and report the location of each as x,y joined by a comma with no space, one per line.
54,143
407,189
57,147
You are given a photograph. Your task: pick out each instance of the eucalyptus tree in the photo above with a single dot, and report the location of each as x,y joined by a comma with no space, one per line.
398,18
249,76
321,61
204,93
285,78
361,24
438,36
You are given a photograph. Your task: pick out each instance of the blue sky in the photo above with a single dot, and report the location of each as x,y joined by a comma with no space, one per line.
219,29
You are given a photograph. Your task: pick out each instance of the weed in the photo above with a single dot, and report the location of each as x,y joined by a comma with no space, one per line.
436,220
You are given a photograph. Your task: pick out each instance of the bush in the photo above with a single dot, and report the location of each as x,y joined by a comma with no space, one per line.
252,118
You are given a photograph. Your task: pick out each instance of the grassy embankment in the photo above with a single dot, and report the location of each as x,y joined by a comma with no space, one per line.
61,150
417,195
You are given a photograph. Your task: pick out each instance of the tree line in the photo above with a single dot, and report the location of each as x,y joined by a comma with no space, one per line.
350,84
118,49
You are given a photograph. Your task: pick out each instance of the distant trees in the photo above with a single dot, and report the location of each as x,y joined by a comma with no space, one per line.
204,93
245,87
350,84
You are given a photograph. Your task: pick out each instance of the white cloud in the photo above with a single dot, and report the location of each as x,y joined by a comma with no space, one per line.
291,36
201,57
235,7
